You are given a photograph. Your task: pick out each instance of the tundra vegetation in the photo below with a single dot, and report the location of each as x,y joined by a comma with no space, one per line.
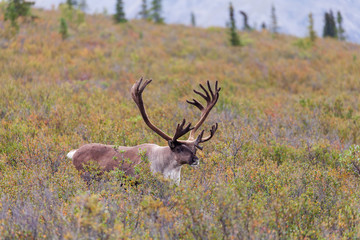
284,163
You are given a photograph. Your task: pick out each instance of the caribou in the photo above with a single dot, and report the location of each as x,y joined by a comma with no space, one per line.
166,160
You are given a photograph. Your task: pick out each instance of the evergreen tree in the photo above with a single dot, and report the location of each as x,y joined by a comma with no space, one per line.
234,38
330,25
144,13
63,29
263,26
71,3
246,26
326,30
341,31
16,9
274,26
312,33
193,20
155,11
119,16
11,14
333,25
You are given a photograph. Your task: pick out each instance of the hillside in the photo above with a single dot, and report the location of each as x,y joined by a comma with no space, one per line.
292,15
283,164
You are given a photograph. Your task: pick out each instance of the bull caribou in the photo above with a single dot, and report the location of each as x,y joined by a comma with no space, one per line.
166,160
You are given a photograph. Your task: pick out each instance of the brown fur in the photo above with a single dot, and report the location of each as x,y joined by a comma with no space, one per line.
165,160
109,157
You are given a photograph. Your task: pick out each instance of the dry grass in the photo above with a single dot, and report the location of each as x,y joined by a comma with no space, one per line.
278,168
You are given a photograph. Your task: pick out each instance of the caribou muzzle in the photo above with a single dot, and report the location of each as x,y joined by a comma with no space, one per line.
194,161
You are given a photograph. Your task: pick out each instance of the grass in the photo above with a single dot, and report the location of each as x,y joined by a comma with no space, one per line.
281,166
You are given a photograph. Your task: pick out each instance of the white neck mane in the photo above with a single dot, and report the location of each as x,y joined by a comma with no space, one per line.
162,161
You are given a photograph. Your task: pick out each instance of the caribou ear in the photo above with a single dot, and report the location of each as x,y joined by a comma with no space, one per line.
172,144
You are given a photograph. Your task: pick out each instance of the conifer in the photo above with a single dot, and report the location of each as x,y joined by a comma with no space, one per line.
63,29
71,3
274,26
234,37
330,25
144,13
193,20
341,31
16,9
263,26
155,11
312,33
119,16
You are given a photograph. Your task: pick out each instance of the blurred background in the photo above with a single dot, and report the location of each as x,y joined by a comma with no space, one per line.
292,15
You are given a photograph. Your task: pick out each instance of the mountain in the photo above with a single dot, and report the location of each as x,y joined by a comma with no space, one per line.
292,15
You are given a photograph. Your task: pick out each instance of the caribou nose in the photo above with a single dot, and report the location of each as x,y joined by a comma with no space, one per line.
195,161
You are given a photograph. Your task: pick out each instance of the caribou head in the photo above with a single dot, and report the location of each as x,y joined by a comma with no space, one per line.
165,160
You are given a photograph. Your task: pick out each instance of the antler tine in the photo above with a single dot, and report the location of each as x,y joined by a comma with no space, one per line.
211,96
136,94
196,104
181,131
207,98
212,132
137,89
141,88
208,83
198,140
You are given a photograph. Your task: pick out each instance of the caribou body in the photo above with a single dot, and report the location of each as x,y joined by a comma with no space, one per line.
166,160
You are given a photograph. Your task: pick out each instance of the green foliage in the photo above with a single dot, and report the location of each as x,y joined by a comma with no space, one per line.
312,33
119,16
350,160
11,14
340,29
71,3
92,171
155,11
3,6
90,218
63,29
22,8
330,29
304,43
16,9
234,37
74,18
66,12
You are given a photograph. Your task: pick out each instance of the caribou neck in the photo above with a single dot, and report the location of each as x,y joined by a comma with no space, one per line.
163,161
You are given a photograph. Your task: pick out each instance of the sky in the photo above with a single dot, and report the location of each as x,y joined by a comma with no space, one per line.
292,15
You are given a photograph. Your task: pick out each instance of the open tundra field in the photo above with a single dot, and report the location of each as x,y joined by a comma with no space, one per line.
284,163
